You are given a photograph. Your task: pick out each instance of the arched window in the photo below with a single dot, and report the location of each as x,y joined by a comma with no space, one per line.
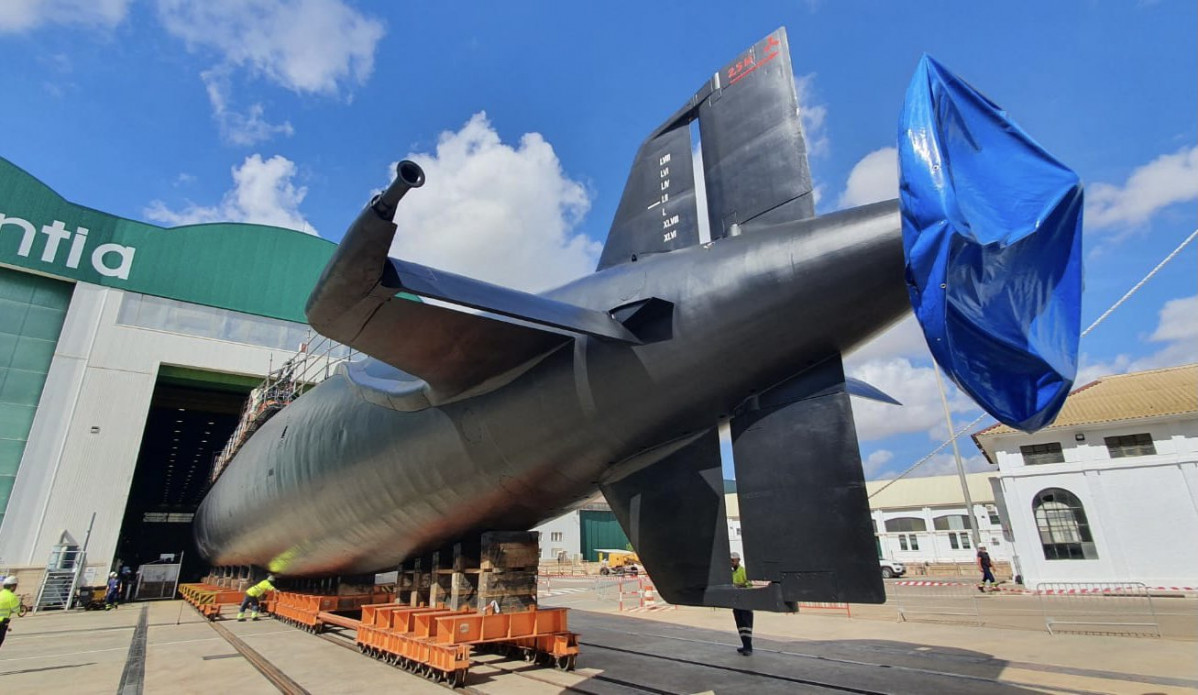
1064,531
951,522
906,524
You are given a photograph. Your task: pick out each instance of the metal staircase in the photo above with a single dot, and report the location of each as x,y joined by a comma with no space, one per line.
58,586
63,571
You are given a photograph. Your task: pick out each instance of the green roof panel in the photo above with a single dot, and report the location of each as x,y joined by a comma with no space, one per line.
256,269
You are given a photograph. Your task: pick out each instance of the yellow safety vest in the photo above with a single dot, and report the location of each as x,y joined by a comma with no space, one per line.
739,578
9,603
260,588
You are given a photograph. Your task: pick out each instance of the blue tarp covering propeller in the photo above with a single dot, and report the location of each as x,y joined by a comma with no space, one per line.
992,236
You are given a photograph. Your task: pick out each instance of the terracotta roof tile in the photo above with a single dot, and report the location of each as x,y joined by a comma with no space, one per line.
1155,393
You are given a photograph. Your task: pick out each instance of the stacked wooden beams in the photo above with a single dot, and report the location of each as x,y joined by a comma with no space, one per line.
498,571
508,577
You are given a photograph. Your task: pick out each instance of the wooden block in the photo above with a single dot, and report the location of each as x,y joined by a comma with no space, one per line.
509,550
465,556
514,583
439,590
463,590
346,589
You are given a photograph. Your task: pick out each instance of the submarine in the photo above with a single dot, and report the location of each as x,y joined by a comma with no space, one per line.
478,407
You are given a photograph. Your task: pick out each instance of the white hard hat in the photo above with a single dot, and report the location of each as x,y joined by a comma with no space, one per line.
10,580
735,556
112,574
270,577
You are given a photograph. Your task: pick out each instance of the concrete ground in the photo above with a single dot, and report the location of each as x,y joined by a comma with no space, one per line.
684,650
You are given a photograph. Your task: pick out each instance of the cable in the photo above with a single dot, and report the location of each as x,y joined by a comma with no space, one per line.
1140,284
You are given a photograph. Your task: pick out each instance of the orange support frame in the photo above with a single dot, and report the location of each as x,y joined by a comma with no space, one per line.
209,599
433,641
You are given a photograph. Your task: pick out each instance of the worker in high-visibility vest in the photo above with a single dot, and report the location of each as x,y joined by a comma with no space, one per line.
113,591
743,618
10,605
253,595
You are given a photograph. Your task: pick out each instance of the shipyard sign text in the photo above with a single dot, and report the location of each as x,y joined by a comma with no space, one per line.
60,246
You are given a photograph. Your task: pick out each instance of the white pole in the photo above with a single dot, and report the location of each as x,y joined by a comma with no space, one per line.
175,588
973,522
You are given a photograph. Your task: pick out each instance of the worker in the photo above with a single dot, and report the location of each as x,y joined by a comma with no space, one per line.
10,605
114,591
253,595
743,618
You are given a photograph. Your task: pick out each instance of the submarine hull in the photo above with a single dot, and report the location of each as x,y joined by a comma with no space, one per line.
341,482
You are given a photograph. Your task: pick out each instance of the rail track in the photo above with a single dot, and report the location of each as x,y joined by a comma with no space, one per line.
492,663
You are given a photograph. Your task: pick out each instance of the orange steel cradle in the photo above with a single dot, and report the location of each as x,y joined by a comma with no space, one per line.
435,641
209,599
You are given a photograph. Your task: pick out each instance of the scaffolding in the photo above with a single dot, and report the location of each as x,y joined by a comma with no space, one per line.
316,360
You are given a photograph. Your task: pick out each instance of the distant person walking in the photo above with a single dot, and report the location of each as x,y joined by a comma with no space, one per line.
253,595
986,566
10,605
113,594
743,618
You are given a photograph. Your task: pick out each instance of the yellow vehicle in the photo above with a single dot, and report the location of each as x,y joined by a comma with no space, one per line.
618,562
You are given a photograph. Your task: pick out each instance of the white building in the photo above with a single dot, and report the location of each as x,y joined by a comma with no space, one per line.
736,542
578,534
561,538
1109,491
924,519
916,520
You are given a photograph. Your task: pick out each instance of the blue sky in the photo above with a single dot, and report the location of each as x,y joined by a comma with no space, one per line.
527,115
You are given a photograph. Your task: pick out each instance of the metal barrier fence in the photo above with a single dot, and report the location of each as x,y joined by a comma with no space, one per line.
951,602
826,607
1106,608
639,594
607,588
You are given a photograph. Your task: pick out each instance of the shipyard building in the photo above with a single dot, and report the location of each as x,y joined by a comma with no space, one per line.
127,352
128,357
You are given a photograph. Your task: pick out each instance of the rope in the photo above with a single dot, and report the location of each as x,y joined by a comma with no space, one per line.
1140,284
1135,288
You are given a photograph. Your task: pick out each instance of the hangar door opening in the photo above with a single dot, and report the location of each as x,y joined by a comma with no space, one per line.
192,415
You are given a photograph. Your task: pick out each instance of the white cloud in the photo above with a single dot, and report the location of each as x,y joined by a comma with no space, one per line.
501,213
899,363
248,128
263,193
23,15
1178,321
1165,181
946,464
1088,370
813,115
915,387
872,179
903,339
874,463
1176,336
308,46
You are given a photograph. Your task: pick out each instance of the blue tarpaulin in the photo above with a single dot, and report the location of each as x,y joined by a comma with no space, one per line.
992,236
